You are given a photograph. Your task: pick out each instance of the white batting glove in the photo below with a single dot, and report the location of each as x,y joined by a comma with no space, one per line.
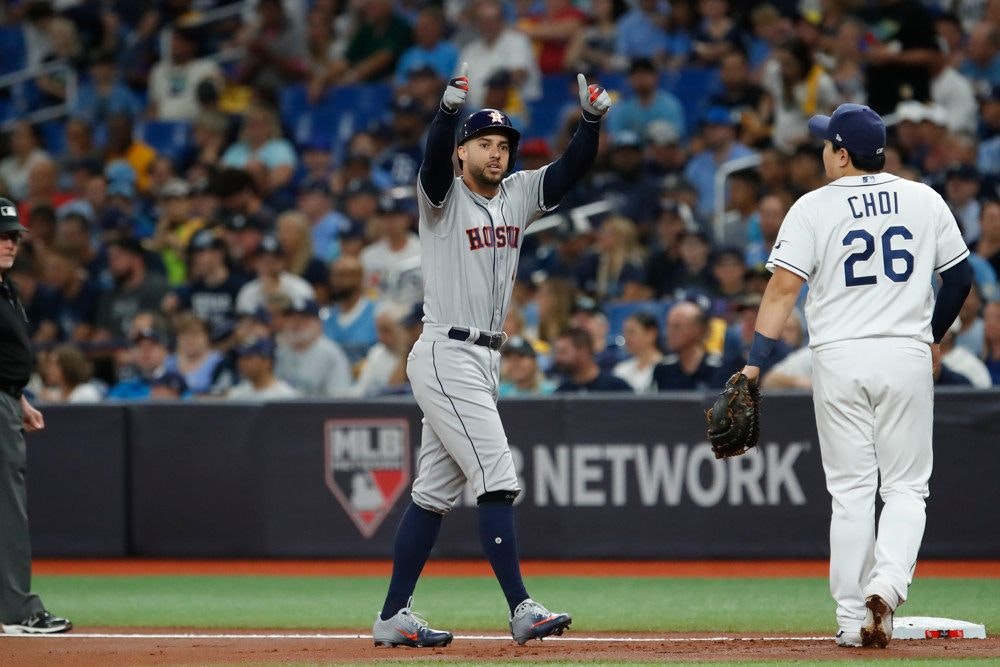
457,90
593,98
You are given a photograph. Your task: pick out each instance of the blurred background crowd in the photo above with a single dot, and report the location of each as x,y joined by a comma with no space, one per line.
221,194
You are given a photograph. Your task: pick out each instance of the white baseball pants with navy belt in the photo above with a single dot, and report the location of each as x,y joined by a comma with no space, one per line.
874,400
455,385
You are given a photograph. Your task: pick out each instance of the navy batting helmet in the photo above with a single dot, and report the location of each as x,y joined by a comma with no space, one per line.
491,121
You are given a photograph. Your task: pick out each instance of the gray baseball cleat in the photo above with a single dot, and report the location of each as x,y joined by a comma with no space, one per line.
877,629
848,639
407,629
533,621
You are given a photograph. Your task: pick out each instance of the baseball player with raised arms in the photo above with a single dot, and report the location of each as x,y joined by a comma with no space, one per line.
471,228
869,243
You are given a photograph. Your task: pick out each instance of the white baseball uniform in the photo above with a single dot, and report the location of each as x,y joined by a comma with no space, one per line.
470,248
869,246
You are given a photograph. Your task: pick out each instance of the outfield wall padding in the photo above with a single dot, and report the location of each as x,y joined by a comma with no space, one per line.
601,478
78,482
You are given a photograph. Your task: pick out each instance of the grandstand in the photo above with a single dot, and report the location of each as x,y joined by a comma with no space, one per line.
229,162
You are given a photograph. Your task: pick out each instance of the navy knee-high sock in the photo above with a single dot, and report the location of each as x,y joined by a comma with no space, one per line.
415,537
496,532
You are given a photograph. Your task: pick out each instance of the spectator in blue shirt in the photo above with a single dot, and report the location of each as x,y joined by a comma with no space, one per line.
315,201
194,360
262,152
982,62
573,355
147,357
430,48
721,146
350,318
680,29
647,103
641,30
519,371
991,339
104,95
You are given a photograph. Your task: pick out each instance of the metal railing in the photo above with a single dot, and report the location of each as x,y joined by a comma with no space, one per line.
15,80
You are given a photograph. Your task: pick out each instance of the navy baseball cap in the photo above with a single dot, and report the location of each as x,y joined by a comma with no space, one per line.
269,245
520,346
261,347
719,116
315,184
205,239
148,334
171,380
304,307
854,126
390,202
414,317
260,314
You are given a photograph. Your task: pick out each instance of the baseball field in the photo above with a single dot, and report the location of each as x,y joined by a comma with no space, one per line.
151,612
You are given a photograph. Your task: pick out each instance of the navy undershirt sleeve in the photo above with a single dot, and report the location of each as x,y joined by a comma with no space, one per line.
955,285
436,171
574,162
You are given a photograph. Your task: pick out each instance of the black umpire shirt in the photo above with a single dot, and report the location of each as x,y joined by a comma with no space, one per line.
16,356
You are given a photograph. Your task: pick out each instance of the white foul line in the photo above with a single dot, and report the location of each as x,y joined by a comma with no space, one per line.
99,635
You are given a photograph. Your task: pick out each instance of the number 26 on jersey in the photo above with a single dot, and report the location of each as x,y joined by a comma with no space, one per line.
897,263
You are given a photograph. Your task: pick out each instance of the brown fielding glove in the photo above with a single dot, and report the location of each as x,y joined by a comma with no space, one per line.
734,419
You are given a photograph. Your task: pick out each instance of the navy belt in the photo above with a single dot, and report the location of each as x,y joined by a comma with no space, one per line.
492,341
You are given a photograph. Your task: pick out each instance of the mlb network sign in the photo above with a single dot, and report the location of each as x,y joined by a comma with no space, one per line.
367,466
633,474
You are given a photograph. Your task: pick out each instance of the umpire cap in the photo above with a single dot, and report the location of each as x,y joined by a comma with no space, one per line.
491,121
9,220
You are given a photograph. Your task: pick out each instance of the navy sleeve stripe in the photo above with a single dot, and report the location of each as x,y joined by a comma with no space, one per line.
792,268
965,253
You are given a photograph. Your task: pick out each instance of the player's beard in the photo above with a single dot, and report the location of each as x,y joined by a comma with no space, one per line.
484,177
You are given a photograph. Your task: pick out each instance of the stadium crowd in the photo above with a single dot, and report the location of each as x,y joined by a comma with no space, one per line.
250,256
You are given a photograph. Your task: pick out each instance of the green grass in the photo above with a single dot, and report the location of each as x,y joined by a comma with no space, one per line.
475,603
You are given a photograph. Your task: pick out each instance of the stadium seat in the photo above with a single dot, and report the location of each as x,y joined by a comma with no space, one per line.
692,86
54,136
168,138
617,313
12,49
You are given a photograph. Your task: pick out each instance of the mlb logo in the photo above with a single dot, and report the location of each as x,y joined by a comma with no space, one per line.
367,467
8,211
867,179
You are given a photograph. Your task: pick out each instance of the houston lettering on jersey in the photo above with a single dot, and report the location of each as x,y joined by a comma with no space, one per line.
486,237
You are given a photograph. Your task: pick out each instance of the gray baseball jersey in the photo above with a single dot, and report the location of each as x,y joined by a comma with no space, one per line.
470,248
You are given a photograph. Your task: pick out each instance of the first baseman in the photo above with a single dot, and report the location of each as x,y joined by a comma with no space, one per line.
869,243
471,228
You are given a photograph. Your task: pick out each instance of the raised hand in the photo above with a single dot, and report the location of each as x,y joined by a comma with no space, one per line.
593,98
457,90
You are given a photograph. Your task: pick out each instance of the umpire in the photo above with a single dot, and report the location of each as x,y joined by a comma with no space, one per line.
21,612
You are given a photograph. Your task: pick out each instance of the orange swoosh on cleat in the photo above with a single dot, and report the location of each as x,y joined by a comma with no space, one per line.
412,636
545,620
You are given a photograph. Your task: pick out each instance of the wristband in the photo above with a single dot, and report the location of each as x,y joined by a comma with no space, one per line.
760,349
